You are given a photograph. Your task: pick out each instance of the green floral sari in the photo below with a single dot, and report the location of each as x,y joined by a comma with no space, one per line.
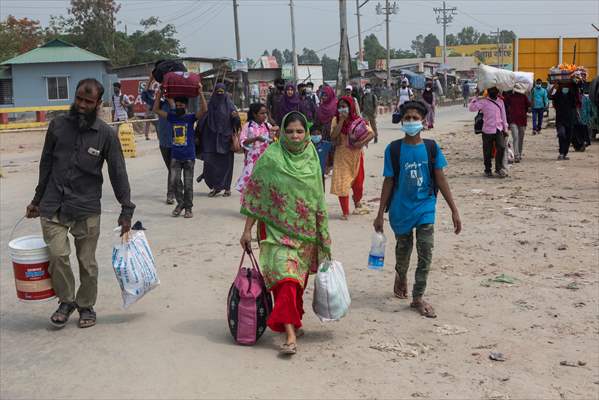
285,193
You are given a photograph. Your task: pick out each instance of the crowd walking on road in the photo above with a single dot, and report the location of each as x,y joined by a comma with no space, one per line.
290,146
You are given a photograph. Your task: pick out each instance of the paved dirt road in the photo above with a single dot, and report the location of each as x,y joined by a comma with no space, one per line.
175,343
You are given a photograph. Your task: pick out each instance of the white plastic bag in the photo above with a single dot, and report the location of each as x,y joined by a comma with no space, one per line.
489,77
134,266
331,297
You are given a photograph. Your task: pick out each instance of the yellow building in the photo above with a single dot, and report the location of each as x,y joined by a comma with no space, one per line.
539,54
489,54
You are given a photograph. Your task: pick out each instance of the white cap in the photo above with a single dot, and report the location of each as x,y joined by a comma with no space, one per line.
349,87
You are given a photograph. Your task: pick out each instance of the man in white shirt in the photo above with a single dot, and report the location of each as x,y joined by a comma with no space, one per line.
120,102
349,93
404,93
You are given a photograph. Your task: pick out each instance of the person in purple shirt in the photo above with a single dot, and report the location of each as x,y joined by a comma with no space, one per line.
495,129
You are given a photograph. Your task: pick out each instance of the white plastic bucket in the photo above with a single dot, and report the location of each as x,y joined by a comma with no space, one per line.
29,256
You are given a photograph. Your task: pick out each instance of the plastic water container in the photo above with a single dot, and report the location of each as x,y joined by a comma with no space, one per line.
376,257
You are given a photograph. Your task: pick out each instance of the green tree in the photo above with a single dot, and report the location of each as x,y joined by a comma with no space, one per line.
424,45
507,36
308,56
486,39
152,43
18,36
287,56
399,53
266,53
330,67
468,35
373,51
452,40
276,53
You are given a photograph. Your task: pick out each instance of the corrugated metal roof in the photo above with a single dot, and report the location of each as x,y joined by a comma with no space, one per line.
457,63
55,51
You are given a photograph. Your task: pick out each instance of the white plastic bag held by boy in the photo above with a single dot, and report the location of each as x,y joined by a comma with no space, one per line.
331,296
134,266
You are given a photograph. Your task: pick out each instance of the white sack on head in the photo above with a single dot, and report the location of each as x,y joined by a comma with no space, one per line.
525,78
489,77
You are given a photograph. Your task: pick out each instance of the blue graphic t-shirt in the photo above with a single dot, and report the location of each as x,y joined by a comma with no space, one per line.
323,148
413,203
183,142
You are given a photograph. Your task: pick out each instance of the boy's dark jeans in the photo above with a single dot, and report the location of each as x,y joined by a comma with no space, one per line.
499,142
564,136
424,247
184,193
537,119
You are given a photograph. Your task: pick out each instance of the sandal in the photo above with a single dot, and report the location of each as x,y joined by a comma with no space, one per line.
425,309
214,193
227,193
188,214
299,333
61,316
87,317
288,349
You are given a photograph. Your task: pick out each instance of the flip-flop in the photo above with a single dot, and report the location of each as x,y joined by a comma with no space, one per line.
288,349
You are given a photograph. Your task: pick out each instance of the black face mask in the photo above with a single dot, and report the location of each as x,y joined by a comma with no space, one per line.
84,121
180,111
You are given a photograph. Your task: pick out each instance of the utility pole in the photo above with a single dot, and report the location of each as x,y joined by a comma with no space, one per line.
238,48
343,75
361,53
497,35
387,11
445,17
293,50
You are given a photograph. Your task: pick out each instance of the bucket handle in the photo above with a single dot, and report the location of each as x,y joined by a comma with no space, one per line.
11,237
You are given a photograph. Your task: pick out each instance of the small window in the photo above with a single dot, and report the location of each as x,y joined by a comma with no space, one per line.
58,88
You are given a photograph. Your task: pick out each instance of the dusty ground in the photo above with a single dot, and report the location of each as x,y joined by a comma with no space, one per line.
541,227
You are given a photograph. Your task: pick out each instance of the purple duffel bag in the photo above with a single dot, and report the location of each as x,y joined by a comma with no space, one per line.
249,303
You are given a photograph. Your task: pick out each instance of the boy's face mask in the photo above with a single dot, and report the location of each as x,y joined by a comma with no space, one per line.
412,128
367,90
565,90
316,138
538,85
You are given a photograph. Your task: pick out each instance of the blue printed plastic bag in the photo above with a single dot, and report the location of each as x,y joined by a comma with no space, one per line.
134,266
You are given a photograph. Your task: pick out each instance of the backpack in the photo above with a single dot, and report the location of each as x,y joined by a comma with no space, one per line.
164,67
479,120
358,130
248,304
395,151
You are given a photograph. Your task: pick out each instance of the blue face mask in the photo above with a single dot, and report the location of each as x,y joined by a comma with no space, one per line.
412,128
316,138
565,90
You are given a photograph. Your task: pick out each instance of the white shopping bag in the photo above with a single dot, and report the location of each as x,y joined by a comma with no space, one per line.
134,266
331,297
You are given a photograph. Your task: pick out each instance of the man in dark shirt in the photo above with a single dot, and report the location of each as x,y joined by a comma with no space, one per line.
564,101
273,101
68,194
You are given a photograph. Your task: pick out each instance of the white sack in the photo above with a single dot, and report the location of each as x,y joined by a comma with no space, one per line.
526,78
489,77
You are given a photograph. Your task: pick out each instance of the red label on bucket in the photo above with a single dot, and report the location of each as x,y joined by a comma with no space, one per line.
31,272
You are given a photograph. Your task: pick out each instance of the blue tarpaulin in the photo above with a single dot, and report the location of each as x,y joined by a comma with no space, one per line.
416,80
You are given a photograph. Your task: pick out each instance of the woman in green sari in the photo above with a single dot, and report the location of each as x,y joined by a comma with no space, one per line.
284,194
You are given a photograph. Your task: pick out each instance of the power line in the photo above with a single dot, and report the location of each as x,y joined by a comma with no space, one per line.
445,17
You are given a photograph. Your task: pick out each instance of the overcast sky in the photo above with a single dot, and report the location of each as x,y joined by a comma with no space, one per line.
206,26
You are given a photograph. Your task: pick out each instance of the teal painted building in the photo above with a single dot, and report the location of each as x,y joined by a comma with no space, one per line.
48,75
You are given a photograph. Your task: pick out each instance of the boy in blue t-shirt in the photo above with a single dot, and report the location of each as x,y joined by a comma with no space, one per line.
183,152
413,173
323,148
